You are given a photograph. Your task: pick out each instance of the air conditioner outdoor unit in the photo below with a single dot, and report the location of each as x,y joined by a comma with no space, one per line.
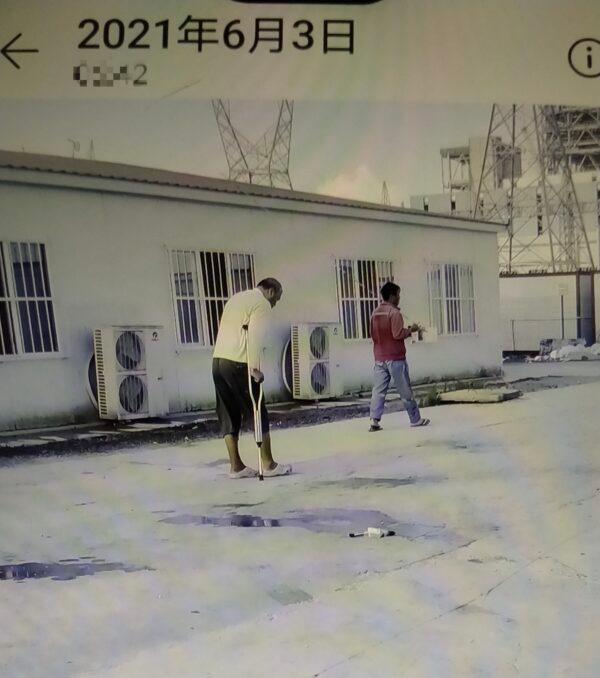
129,371
316,372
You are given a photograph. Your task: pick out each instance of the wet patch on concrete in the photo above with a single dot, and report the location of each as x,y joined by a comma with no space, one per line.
63,570
217,462
168,511
357,483
236,506
495,559
329,520
459,445
290,596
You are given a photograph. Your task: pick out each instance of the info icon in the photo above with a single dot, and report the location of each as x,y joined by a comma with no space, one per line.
584,57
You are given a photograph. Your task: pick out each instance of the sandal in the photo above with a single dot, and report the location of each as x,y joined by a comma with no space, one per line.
279,470
246,472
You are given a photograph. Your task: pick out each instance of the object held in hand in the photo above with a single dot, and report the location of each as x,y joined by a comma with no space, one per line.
373,532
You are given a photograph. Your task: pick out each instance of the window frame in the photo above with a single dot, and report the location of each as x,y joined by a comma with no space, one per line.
359,302
12,299
202,298
464,301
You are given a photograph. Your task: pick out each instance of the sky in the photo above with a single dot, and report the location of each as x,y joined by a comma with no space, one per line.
347,149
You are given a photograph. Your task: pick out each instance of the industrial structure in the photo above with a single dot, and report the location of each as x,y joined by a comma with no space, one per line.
536,171
266,161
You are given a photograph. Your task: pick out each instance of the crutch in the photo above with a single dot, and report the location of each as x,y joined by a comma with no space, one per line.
256,406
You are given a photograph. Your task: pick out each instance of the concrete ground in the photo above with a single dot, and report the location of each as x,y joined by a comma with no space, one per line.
494,569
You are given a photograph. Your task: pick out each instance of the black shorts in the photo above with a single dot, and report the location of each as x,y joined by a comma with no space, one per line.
234,404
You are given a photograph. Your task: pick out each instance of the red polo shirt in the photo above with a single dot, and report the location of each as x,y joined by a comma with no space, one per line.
388,333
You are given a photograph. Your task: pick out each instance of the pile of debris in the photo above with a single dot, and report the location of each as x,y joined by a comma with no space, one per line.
552,350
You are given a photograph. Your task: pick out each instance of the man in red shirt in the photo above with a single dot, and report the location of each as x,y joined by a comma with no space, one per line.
388,334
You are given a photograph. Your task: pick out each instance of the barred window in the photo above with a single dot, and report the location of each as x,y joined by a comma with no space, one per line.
27,322
358,284
452,298
202,284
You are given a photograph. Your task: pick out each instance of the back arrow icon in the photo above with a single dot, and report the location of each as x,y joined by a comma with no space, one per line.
6,51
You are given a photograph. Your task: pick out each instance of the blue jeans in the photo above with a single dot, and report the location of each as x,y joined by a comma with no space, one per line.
397,370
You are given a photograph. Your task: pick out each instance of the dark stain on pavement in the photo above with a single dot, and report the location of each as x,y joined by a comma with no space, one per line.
64,570
357,483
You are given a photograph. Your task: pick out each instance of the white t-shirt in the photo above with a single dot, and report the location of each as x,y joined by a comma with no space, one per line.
244,308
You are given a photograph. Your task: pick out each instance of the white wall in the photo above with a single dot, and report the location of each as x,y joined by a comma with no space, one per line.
108,265
530,309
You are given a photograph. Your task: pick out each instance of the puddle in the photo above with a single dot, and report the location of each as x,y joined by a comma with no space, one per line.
337,521
63,570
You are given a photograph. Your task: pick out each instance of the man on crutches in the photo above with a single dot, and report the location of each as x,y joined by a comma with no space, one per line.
238,378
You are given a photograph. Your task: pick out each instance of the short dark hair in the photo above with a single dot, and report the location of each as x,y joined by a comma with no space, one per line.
270,284
388,289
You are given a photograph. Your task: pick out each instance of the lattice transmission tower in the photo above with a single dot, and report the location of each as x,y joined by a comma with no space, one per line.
525,179
385,194
266,161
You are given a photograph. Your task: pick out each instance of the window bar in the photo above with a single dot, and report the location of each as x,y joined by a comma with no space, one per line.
200,297
364,300
182,276
451,297
214,292
217,264
374,296
248,272
187,292
340,295
5,300
339,274
346,301
36,295
352,292
201,317
456,301
444,294
48,297
360,293
179,317
191,288
196,297
16,251
211,289
342,298
355,296
232,269
174,267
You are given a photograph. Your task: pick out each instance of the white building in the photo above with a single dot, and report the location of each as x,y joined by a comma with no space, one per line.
86,244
